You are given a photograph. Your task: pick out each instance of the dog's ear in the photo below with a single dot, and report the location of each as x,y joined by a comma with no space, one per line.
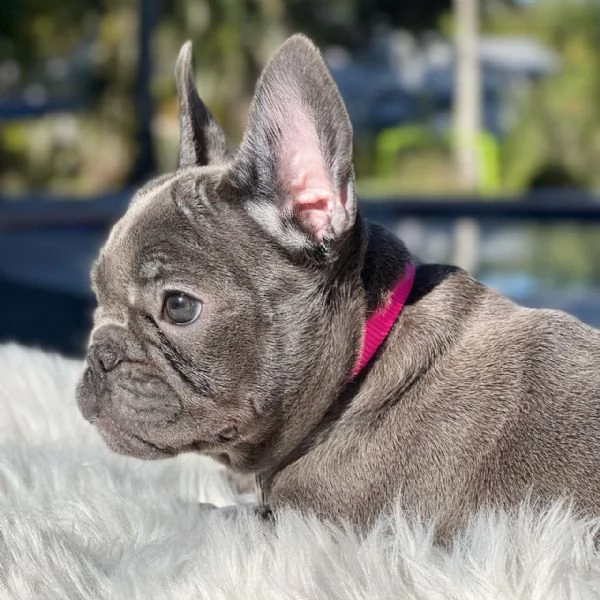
202,141
295,161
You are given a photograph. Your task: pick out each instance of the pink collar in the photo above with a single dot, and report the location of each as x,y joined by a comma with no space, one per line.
380,323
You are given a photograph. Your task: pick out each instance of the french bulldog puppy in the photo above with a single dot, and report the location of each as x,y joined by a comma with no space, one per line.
233,299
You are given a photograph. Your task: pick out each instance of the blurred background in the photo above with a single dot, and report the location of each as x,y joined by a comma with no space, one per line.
477,133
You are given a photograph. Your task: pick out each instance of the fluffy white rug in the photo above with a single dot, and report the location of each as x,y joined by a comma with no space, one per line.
77,521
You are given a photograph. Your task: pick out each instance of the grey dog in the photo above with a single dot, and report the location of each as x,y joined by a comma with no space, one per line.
233,298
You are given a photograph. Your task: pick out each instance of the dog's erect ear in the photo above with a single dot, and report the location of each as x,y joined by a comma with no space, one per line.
202,141
296,155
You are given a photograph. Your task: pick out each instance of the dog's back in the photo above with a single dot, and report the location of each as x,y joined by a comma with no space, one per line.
473,401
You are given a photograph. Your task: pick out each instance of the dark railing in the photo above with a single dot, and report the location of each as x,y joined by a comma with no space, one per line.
102,211
576,206
64,323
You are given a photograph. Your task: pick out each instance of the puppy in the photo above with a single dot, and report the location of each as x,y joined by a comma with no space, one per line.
247,311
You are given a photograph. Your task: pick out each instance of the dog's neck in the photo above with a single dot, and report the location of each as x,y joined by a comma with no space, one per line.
386,262
379,324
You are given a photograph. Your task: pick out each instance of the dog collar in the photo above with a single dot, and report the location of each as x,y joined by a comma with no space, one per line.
380,323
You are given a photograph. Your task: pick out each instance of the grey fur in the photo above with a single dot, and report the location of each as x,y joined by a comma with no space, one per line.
202,141
471,401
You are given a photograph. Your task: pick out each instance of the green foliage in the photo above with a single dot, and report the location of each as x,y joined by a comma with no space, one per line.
564,255
559,119
558,124
395,145
394,140
33,28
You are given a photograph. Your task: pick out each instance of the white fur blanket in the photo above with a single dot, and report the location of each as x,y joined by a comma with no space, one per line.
77,521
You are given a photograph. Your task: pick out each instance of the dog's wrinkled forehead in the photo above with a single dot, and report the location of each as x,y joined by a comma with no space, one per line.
152,239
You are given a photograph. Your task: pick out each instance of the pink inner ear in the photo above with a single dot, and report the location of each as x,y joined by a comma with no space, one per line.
303,172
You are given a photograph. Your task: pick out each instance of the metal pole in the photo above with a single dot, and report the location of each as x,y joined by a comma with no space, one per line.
467,124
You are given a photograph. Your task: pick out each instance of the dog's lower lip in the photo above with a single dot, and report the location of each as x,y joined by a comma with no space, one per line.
111,428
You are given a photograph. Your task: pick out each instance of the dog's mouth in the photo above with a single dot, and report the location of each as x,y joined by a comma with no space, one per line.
124,442
151,426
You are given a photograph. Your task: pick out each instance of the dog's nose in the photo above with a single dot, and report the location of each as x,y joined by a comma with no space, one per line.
103,357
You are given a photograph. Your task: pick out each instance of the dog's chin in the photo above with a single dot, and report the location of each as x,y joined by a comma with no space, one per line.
124,442
232,457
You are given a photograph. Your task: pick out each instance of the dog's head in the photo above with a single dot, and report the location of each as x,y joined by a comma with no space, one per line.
229,310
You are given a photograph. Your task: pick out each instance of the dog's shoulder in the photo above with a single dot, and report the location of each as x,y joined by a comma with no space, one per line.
455,311
447,289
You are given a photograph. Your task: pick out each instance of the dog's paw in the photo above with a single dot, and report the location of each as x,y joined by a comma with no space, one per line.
234,511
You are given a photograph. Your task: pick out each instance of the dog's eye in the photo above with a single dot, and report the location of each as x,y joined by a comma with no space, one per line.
181,309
